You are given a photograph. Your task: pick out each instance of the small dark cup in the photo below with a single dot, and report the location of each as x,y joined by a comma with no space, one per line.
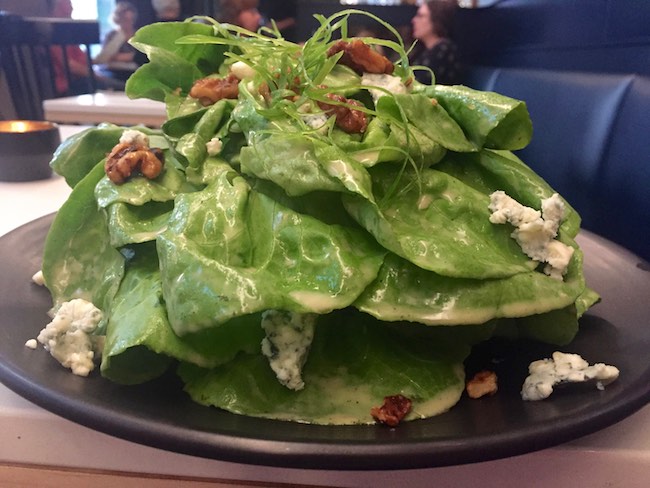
26,148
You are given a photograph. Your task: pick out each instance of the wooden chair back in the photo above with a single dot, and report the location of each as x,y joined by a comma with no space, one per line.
26,45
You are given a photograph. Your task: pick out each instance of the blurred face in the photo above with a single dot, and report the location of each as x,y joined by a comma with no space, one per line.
62,8
123,15
249,19
422,27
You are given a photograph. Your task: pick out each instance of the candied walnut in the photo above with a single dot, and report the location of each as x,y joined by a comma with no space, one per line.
128,159
350,120
361,57
483,383
265,92
210,90
392,411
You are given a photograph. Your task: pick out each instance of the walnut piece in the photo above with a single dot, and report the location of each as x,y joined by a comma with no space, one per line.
210,90
348,119
127,159
483,383
392,411
361,57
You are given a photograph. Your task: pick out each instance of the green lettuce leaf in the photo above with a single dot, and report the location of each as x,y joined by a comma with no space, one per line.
300,165
230,251
429,118
402,291
488,171
78,259
172,65
79,154
140,344
438,223
130,224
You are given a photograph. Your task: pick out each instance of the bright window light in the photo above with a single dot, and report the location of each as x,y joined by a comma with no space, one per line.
83,9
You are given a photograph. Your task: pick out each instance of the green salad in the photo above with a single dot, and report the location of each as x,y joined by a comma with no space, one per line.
311,231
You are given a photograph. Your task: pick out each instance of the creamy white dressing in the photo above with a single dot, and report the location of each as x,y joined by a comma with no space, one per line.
425,201
316,301
353,403
367,158
450,315
38,278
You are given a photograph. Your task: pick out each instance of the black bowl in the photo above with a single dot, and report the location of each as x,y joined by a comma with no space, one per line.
26,148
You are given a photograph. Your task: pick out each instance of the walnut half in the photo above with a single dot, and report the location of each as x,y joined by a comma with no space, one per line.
348,119
210,90
127,159
361,57
393,410
483,383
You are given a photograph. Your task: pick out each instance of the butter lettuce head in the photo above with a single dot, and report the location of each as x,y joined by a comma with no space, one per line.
384,235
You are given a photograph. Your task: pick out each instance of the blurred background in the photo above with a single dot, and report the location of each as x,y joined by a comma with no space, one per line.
604,36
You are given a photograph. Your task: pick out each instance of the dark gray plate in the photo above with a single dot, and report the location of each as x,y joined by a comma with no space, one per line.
159,414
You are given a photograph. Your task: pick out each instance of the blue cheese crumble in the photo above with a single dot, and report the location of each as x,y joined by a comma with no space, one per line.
564,368
383,84
214,146
38,278
286,345
136,137
242,70
535,231
314,117
70,338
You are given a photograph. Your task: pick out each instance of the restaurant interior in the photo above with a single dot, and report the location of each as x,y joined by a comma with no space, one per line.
582,69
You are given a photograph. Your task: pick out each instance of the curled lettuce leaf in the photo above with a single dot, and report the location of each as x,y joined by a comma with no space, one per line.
489,119
402,291
356,365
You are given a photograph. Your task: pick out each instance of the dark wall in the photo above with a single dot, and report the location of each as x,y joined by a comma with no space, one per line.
33,8
399,16
580,35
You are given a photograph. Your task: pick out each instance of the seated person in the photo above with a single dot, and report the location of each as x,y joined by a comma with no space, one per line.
283,14
243,13
79,81
435,48
167,10
116,58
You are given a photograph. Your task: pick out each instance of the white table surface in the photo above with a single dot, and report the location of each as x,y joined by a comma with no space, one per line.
618,456
114,107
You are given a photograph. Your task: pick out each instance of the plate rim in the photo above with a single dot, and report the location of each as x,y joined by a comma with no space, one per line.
346,455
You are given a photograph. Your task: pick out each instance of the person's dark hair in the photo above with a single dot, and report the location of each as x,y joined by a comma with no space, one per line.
123,5
442,16
229,10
